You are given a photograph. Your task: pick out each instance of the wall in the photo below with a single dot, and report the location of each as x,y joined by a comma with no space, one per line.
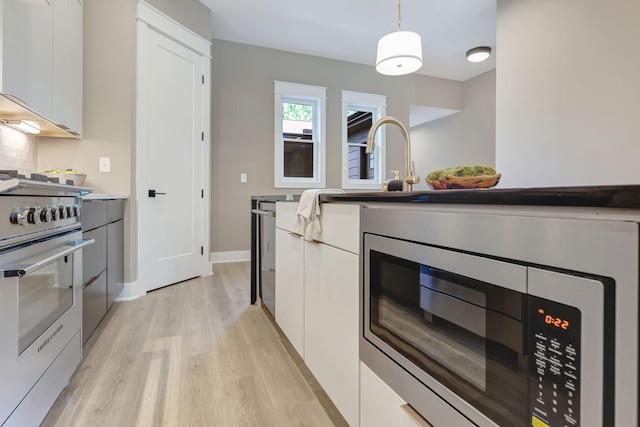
18,151
464,138
568,92
242,128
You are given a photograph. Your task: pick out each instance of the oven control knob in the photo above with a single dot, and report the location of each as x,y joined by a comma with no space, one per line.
63,212
19,217
55,213
76,211
70,213
45,215
33,216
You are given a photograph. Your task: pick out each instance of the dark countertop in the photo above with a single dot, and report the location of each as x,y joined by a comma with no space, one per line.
618,196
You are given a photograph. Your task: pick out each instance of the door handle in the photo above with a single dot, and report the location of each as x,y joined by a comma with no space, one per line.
153,193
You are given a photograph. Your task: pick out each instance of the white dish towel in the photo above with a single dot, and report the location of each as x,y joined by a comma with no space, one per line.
308,222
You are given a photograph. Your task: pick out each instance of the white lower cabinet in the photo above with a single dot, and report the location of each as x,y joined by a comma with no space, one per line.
380,406
331,324
290,287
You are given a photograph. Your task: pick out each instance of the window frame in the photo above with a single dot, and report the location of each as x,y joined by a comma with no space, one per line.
377,105
315,95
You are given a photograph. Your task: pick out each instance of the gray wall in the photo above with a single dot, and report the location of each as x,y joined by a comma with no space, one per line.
242,127
192,14
464,138
568,92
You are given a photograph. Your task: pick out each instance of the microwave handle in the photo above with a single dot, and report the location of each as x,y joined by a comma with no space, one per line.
23,270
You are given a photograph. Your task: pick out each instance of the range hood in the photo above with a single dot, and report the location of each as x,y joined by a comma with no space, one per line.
13,110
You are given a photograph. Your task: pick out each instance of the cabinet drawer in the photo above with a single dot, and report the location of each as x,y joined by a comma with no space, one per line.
115,210
340,226
94,257
286,215
94,214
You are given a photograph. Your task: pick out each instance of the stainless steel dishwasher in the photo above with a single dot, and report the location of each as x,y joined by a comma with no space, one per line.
265,253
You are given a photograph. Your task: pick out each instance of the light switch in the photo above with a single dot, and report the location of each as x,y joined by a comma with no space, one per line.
243,178
105,164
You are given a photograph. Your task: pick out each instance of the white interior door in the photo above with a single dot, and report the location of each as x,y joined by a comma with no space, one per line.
170,155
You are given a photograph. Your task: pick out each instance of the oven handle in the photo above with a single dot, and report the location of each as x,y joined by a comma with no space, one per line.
263,213
22,270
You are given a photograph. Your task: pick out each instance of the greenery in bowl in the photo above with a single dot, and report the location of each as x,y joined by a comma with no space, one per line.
461,171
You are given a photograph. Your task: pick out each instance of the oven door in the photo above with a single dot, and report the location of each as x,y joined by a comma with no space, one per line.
40,311
454,321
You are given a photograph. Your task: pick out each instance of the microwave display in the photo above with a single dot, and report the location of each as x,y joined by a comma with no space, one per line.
554,340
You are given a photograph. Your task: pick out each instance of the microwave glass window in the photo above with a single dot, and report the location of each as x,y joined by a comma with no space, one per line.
43,296
466,334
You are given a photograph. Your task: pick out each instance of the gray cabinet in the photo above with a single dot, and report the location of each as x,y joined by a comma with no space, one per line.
103,262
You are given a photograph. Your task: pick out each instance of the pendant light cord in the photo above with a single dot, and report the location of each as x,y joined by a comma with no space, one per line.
399,15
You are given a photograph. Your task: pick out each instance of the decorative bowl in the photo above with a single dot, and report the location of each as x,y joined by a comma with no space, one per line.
77,178
462,182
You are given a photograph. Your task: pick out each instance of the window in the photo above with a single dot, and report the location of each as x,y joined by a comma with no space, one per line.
300,147
361,170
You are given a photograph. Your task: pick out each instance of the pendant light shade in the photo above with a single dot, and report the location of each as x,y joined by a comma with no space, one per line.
399,53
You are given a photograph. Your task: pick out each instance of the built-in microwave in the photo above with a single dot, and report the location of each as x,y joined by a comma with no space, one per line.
484,319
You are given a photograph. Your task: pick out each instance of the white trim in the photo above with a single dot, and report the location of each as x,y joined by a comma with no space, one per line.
316,94
172,29
131,291
230,256
299,89
378,105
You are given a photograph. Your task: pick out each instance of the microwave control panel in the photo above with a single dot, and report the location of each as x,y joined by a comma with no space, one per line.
554,364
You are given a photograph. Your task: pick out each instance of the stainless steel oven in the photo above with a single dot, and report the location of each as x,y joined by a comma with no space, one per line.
40,296
494,319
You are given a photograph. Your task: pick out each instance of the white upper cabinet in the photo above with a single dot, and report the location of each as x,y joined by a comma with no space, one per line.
42,58
67,64
27,53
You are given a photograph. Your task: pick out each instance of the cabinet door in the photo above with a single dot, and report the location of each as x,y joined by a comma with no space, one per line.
380,406
67,64
331,324
290,287
27,53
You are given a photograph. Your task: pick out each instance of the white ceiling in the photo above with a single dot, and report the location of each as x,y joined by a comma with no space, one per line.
349,30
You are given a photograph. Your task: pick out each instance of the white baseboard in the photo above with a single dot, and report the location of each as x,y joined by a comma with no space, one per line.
130,292
230,256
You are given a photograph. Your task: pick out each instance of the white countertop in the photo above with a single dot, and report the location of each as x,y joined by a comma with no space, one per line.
98,196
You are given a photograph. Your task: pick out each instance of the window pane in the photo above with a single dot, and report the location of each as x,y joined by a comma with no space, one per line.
297,121
298,159
361,164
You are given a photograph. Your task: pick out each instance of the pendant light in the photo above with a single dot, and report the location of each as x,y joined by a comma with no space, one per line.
400,52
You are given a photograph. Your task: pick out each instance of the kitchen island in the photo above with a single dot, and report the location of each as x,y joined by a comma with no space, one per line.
574,248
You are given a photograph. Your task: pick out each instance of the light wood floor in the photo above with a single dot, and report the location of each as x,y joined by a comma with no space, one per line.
192,354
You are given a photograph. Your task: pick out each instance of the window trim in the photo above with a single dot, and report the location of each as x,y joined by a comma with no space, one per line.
285,91
378,105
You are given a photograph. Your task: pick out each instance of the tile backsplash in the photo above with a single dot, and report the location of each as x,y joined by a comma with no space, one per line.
18,151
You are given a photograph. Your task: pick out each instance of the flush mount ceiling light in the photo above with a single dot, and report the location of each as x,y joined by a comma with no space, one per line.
478,54
22,126
399,53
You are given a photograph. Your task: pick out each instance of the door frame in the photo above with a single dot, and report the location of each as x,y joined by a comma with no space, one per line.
150,18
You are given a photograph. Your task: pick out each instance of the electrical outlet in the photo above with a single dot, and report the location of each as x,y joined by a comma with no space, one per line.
243,178
105,164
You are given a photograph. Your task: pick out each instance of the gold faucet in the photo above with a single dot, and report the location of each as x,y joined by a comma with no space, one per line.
409,177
